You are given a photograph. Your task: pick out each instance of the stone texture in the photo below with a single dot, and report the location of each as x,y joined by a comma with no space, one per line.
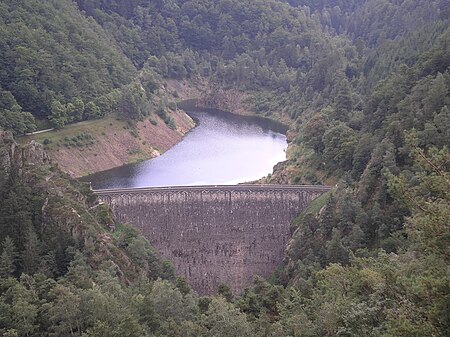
215,234
17,158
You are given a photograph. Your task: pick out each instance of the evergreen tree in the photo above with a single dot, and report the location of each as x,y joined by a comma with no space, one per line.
8,258
225,291
437,95
30,256
336,252
339,145
64,312
24,310
343,101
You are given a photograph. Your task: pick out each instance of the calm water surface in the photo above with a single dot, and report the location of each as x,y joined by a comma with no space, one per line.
222,149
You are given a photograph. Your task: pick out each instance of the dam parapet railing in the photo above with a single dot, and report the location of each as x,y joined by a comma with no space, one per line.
240,187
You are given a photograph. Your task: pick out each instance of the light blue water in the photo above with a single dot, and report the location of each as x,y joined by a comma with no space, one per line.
222,149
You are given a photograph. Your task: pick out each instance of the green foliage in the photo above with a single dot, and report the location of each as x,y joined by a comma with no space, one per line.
222,319
92,111
8,259
134,103
427,195
51,52
58,117
339,144
313,133
12,118
336,252
225,292
399,295
350,77
83,139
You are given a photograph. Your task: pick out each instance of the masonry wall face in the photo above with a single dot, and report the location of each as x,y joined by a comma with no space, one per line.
215,235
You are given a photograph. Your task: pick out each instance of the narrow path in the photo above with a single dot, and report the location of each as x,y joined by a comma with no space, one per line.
37,132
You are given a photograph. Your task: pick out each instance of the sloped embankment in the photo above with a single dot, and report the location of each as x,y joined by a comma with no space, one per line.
93,146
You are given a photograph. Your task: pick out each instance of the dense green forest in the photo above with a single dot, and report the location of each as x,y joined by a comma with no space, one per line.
364,85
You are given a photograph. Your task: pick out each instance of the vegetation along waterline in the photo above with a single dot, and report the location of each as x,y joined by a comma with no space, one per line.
363,86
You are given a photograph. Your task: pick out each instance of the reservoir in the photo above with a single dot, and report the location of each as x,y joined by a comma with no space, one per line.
223,149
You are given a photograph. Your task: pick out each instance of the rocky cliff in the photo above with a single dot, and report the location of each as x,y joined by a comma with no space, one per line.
14,157
43,208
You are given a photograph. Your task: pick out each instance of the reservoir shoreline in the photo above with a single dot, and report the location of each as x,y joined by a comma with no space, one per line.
191,105
224,148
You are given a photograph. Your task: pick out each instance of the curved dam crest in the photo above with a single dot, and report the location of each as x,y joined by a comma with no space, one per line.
215,234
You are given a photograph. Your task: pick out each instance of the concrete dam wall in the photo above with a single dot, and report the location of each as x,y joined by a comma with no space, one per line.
215,234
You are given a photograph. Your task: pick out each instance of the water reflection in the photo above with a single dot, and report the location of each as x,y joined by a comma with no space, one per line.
222,149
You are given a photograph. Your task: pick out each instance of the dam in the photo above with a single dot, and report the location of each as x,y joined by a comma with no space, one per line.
215,234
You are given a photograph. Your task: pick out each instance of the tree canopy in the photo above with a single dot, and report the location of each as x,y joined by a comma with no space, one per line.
364,86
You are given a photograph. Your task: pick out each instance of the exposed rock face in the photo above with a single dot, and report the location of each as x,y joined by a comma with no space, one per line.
215,235
13,156
62,212
31,164
216,97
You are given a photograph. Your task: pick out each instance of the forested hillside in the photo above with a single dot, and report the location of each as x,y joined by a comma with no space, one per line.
53,55
364,86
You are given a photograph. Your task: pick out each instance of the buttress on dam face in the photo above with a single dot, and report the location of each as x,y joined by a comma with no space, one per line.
215,235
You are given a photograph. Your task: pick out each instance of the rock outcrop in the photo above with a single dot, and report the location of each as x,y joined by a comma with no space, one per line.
16,157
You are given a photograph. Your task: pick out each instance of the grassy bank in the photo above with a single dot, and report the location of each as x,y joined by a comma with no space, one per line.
97,145
78,134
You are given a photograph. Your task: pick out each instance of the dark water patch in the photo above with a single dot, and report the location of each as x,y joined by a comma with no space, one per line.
190,106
